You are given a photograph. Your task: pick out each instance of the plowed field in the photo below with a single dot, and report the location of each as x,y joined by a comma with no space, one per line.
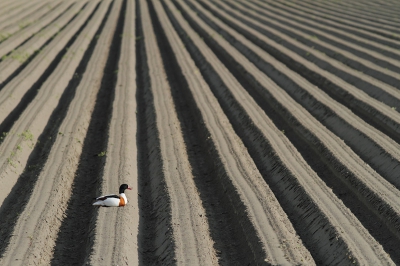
253,132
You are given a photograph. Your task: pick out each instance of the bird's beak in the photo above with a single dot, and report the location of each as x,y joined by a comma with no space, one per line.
129,188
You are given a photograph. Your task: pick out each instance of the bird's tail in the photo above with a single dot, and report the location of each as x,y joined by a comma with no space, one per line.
98,203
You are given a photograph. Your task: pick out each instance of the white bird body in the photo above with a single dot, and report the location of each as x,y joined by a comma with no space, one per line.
113,200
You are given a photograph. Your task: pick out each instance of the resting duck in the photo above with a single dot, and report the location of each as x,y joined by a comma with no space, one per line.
113,200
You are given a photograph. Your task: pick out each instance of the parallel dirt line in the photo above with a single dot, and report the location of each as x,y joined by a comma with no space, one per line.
14,16
347,21
383,115
352,43
14,61
348,12
121,164
387,40
390,42
9,30
190,230
255,132
16,89
312,142
44,215
76,234
326,215
376,190
10,169
155,244
379,12
369,65
40,20
385,158
8,6
373,87
376,11
251,189
383,8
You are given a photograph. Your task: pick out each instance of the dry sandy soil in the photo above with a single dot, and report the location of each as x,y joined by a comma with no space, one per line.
253,132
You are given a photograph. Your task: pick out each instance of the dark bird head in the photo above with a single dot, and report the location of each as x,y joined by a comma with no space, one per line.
123,187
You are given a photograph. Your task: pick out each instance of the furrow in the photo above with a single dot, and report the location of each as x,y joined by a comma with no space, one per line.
342,20
54,158
371,110
76,233
371,145
13,64
154,242
188,232
10,169
318,36
374,148
354,13
41,19
9,5
331,24
11,29
31,18
22,89
118,244
388,186
318,198
253,132
370,85
258,220
373,10
13,16
348,58
370,63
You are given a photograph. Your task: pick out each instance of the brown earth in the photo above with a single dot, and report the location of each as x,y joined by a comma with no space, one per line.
256,132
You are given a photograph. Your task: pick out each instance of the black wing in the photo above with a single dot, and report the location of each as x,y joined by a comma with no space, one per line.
108,196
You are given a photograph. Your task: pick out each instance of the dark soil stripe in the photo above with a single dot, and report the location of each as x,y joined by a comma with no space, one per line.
294,25
304,141
156,245
226,214
365,147
366,112
15,202
33,91
75,238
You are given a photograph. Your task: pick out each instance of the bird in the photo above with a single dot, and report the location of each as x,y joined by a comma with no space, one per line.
113,200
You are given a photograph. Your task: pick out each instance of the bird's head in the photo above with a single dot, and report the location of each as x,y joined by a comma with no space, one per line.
123,187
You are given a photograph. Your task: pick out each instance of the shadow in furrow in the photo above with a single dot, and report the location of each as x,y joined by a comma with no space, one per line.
339,17
320,47
15,202
31,57
359,142
369,88
26,18
155,238
235,238
346,21
33,91
329,23
295,22
327,167
75,238
372,116
337,56
33,35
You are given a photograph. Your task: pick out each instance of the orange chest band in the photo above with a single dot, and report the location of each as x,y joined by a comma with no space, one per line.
121,201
